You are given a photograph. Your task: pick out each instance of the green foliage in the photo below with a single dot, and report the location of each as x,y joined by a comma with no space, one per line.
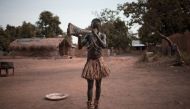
27,30
166,16
120,34
186,57
147,37
115,29
11,31
108,15
5,40
134,10
49,24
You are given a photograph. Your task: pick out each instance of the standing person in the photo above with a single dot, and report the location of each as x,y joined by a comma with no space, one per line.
94,69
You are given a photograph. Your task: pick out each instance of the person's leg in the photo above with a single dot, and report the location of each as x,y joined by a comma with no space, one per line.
98,89
7,71
98,92
90,93
90,89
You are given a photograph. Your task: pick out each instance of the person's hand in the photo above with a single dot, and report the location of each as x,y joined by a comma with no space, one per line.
95,31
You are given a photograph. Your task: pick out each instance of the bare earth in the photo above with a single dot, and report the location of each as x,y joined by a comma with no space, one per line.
131,85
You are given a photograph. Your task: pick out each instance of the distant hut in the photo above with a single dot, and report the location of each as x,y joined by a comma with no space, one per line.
40,47
137,45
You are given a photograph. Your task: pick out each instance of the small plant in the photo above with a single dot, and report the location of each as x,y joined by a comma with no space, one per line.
186,58
5,53
143,58
12,53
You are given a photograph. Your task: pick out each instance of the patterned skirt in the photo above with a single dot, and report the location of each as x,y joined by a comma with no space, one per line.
95,69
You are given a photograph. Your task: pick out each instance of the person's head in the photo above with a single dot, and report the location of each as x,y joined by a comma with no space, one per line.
96,23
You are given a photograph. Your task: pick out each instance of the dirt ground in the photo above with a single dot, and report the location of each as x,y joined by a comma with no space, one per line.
131,85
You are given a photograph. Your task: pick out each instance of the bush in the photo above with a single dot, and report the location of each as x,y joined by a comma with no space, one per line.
143,58
149,57
186,57
12,53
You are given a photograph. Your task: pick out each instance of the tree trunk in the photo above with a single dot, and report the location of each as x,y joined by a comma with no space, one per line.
179,59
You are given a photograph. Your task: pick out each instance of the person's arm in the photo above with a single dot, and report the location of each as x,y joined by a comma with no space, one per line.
101,39
82,42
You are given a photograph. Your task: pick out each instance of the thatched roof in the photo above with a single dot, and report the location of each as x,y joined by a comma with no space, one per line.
36,43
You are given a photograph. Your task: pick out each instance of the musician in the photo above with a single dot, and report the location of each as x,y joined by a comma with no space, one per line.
94,69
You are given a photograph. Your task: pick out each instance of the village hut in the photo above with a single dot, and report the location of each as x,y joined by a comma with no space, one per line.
137,45
40,47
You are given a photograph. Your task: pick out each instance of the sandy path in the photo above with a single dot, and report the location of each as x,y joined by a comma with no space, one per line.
130,86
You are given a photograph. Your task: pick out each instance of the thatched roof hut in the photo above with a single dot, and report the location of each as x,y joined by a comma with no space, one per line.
40,46
36,43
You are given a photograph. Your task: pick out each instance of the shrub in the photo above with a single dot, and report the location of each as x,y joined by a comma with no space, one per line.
186,57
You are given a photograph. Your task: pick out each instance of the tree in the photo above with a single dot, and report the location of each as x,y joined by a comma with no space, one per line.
115,29
161,17
27,30
107,15
11,32
118,35
165,16
5,40
49,24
